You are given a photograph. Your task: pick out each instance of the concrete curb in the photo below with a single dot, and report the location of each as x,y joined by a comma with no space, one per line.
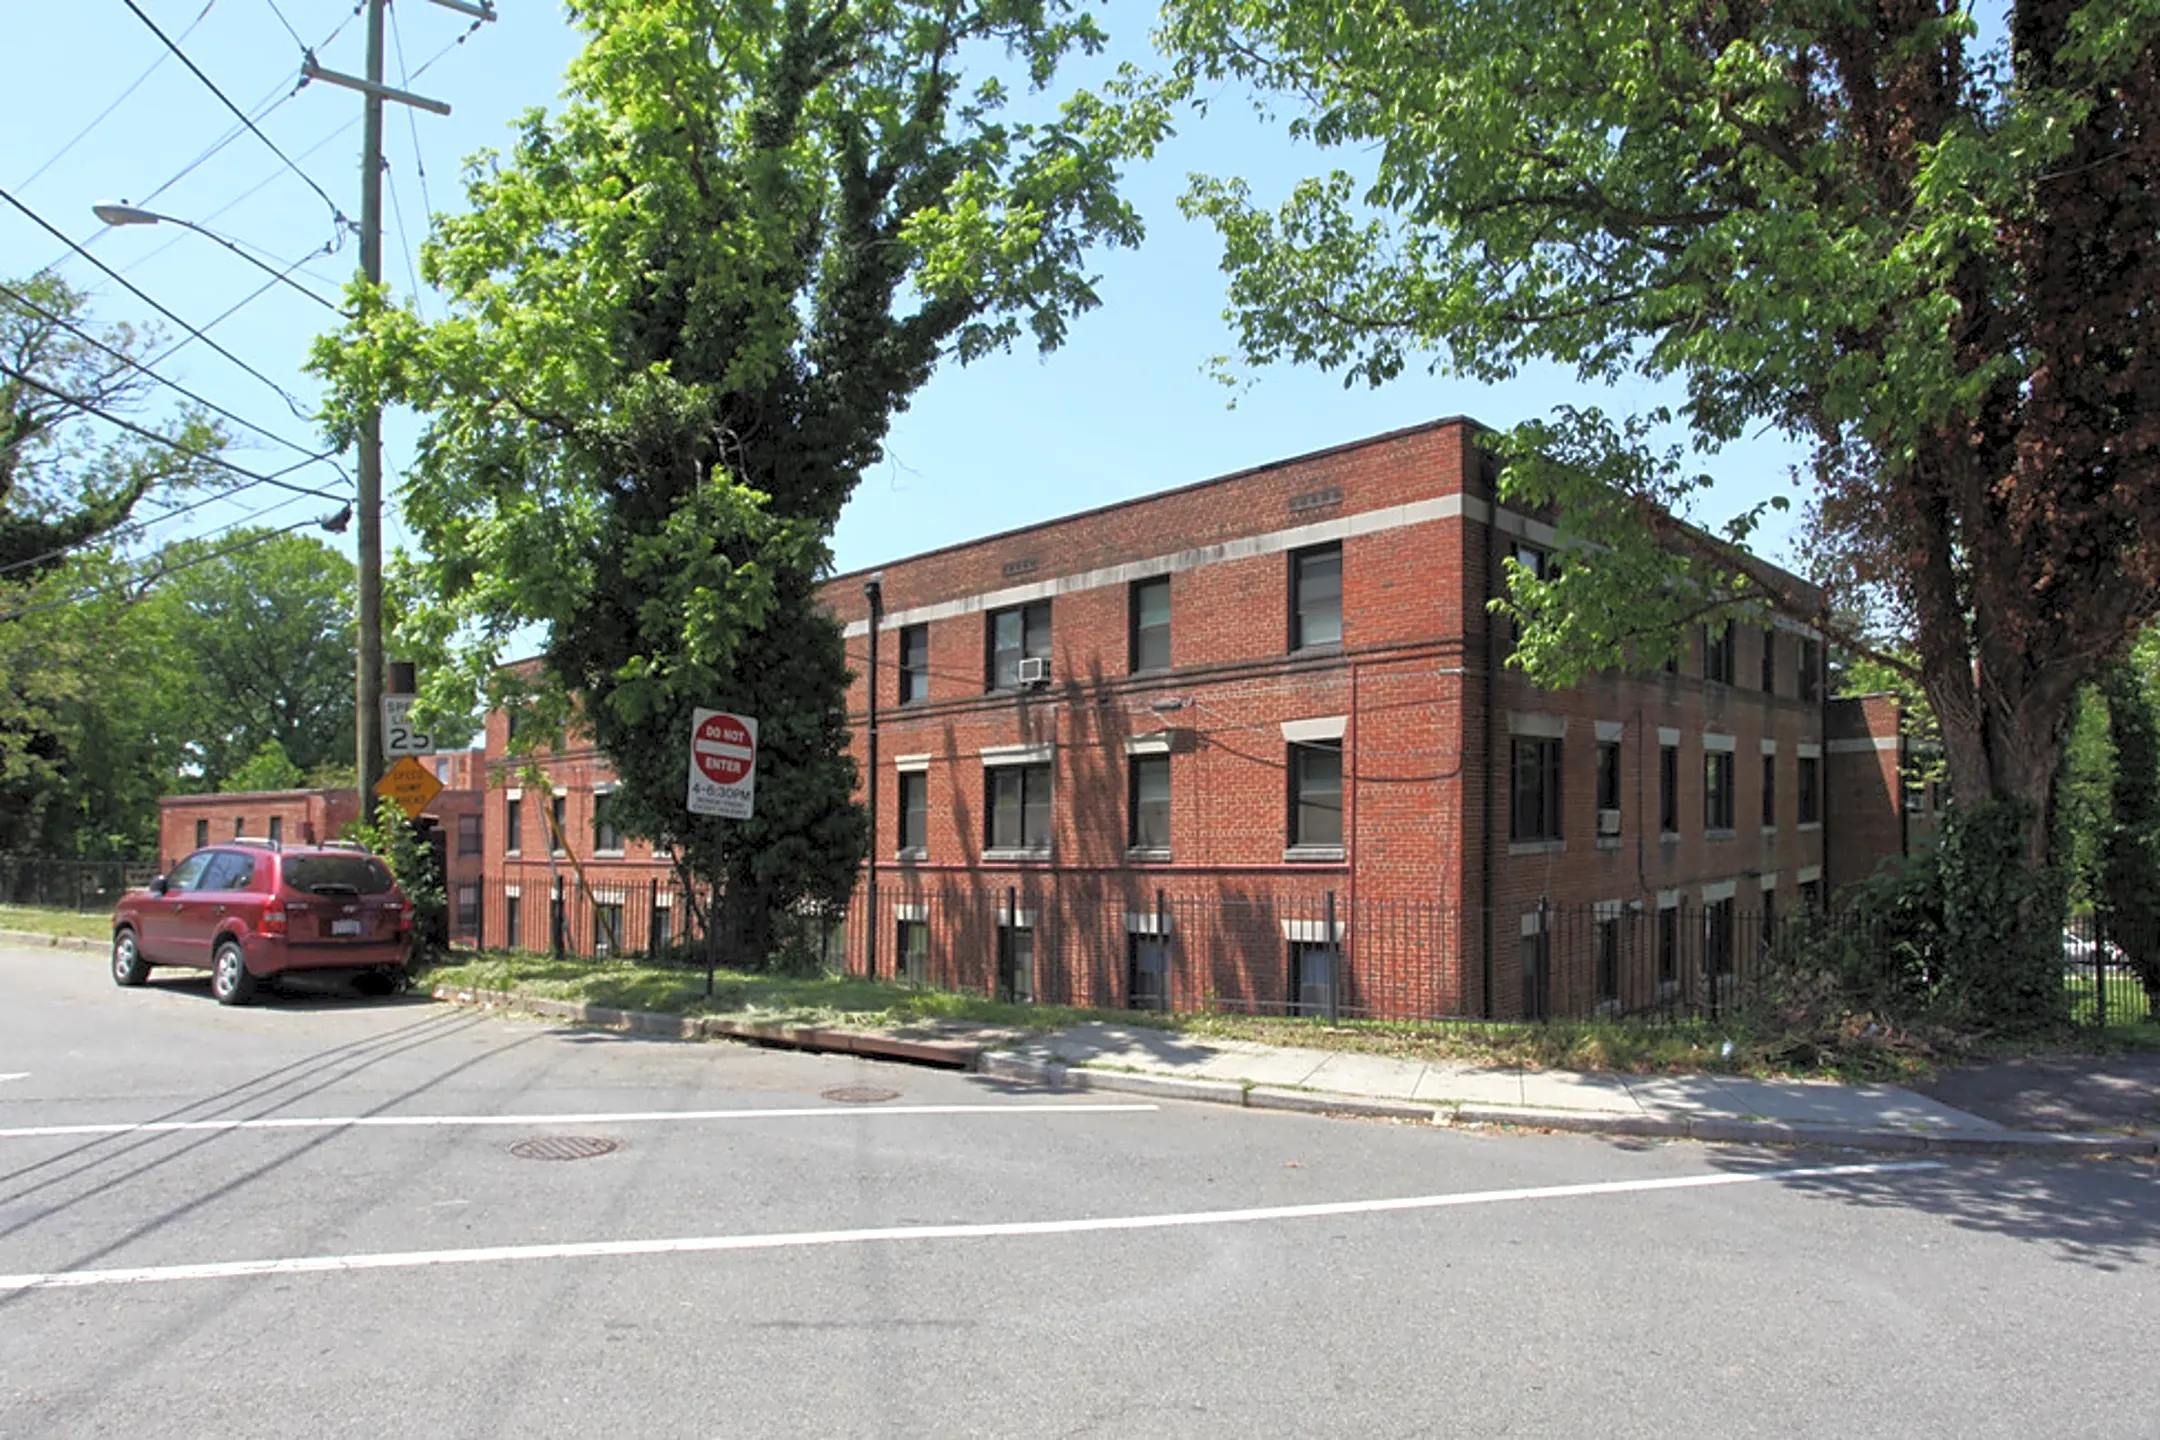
56,942
946,1054
1028,1070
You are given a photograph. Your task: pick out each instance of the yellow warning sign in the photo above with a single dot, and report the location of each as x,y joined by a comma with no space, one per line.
409,783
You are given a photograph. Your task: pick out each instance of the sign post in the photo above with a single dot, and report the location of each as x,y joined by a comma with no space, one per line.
723,782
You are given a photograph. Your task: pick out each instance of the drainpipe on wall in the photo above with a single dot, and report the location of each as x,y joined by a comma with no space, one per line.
873,590
1492,697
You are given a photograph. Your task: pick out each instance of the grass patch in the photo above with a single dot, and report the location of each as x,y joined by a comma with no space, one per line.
46,920
1636,1047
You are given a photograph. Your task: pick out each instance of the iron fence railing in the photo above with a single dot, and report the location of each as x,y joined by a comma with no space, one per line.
85,885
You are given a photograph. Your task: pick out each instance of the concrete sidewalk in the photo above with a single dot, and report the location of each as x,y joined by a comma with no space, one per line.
1707,1107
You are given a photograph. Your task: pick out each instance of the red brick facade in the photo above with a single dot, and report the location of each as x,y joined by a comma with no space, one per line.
1429,725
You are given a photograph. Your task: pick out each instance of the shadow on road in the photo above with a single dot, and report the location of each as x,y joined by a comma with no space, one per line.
2102,1213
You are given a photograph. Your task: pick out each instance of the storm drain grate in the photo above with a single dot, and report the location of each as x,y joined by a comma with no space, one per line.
564,1147
860,1094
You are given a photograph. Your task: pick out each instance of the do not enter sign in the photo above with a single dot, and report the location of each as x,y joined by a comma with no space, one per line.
723,764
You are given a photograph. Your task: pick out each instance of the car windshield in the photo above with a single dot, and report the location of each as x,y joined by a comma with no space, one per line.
338,874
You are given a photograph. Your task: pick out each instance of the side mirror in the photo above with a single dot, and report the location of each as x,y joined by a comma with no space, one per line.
157,885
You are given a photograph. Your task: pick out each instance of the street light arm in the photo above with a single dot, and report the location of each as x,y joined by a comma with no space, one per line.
122,213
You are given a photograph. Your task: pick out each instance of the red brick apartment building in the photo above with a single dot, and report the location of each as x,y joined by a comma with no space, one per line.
1252,742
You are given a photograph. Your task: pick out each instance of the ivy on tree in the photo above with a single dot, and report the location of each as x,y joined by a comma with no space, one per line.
682,313
1931,259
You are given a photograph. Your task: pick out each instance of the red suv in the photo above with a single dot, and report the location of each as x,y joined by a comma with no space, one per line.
254,909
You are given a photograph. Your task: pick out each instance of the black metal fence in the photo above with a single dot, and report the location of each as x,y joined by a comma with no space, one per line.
85,885
1059,941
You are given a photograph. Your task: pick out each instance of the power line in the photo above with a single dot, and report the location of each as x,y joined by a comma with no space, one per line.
23,377
284,22
53,317
242,115
137,527
138,588
106,113
135,290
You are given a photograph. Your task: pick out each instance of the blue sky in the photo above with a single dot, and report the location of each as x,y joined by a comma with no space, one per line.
1126,407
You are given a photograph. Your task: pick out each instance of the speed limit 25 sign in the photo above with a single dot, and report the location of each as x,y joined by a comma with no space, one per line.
400,736
723,764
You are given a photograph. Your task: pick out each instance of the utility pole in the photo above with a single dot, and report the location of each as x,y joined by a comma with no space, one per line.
368,667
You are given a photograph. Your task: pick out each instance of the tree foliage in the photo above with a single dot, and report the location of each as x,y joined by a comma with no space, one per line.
1931,260
2127,895
682,313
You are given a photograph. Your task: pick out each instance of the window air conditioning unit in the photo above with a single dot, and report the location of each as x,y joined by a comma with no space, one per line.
1608,822
1034,673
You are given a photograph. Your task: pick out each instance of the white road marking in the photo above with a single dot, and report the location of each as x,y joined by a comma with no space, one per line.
601,1117
707,1244
16,1075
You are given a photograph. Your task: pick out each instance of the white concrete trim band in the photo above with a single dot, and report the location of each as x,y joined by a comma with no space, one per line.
512,892
911,764
1610,730
1719,890
1311,932
1807,875
1769,747
1667,735
1273,542
1718,744
1668,899
1807,750
911,910
1862,745
1156,744
1018,754
1610,909
1318,730
515,792
1148,924
1533,723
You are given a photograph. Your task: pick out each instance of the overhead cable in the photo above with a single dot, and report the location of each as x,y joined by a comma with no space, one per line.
106,113
136,589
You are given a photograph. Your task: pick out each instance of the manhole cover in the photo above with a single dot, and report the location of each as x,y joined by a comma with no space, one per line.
564,1147
860,1094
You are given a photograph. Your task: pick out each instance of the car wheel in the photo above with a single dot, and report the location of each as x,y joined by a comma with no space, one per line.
128,966
229,978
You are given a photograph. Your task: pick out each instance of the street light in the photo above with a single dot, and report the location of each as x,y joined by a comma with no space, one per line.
119,212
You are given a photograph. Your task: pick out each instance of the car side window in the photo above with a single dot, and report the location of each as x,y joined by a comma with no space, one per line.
229,871
184,875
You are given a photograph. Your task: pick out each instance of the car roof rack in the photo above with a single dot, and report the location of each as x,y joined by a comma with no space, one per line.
263,842
342,845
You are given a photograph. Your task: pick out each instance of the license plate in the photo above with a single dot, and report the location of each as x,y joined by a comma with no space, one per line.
344,927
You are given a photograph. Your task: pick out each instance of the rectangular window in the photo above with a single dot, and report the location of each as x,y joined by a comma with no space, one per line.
558,813
1148,972
239,826
607,838
1810,678
1769,660
1769,792
1668,789
657,942
607,927
1717,790
1608,962
513,829
202,833
913,949
1768,937
1718,936
1016,964
1316,794
277,829
1536,971
1717,655
1019,633
1534,813
1313,968
1150,604
1532,559
1668,945
1150,800
914,813
1316,597
1608,787
513,933
1020,807
1809,805
468,834
1811,895
468,908
914,663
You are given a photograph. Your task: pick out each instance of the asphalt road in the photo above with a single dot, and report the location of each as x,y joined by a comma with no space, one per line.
324,1231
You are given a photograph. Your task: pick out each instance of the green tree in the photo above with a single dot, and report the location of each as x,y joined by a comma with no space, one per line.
84,742
1933,262
269,768
2127,897
682,313
263,637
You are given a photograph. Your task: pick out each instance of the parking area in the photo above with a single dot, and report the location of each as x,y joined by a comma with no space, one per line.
336,1215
